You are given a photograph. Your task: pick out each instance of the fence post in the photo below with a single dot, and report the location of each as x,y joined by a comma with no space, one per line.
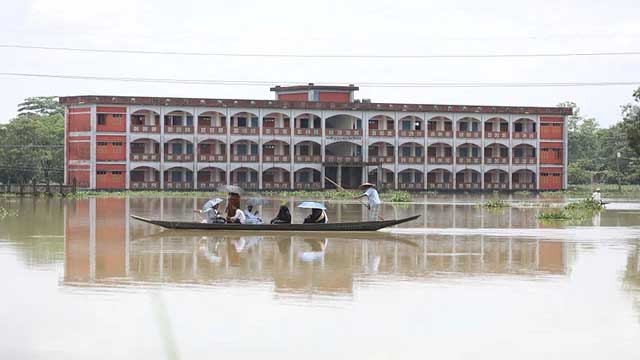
48,187
21,188
35,189
73,186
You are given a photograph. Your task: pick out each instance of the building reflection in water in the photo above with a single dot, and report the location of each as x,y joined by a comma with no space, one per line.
102,247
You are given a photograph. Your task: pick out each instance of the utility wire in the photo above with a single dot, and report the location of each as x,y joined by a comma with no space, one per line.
322,56
361,84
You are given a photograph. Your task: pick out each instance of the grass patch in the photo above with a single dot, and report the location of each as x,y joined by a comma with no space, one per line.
397,196
495,204
574,211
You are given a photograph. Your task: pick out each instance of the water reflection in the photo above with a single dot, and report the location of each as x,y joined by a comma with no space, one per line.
103,247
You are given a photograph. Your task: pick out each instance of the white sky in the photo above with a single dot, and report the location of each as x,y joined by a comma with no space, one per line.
371,27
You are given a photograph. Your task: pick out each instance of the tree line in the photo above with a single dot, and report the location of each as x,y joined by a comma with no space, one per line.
32,145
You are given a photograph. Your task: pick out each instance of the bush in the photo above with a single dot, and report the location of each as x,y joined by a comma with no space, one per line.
495,204
398,196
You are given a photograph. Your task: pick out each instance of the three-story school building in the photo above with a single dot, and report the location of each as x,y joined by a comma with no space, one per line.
307,134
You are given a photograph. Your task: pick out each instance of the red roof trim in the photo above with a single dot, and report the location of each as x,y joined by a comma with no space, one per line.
310,105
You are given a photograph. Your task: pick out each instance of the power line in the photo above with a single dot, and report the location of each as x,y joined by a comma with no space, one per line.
361,84
322,56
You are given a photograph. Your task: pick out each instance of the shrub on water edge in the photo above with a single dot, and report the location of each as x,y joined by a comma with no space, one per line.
587,204
557,214
495,204
397,196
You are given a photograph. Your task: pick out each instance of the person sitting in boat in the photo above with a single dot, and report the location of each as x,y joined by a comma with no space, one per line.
318,214
283,217
251,216
210,212
238,216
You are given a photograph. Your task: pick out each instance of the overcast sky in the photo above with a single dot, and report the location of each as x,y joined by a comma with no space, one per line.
321,27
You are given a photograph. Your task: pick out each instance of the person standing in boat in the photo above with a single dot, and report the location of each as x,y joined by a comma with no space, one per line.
597,196
373,200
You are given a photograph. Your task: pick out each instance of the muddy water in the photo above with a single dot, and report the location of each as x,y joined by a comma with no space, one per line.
79,280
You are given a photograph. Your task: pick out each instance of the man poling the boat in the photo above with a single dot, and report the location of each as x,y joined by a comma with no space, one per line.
373,200
318,214
210,213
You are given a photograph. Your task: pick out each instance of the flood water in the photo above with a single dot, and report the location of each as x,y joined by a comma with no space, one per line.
79,280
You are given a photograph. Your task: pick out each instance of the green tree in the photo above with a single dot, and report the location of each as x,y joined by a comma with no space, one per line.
631,115
40,105
33,144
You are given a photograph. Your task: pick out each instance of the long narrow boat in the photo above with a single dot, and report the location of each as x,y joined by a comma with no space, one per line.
346,226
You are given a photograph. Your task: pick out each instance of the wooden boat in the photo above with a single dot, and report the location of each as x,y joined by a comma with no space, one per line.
346,226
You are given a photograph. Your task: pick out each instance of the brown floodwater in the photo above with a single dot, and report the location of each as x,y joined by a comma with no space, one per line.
80,280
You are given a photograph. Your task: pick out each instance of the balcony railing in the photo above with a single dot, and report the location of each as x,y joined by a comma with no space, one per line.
144,157
468,186
276,185
178,157
382,159
276,131
524,186
441,133
468,160
468,134
378,132
212,130
142,185
496,134
496,160
410,186
496,186
210,185
145,128
308,132
244,158
344,132
525,160
439,186
308,158
276,158
342,159
440,160
411,160
244,131
178,129
524,135
246,185
212,157
181,185
411,133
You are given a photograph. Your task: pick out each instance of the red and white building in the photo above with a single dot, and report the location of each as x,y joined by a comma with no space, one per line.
308,133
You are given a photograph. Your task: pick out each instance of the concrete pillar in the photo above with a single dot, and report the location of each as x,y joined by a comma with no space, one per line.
339,175
161,112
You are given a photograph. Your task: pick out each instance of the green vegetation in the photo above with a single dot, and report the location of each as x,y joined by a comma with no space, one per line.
495,204
5,213
397,196
579,210
32,143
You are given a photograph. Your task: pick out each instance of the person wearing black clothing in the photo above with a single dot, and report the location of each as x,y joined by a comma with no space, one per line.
318,216
283,217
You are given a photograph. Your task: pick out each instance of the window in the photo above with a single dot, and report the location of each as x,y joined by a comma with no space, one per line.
241,149
304,149
254,122
373,124
463,126
315,95
389,150
406,151
100,172
189,120
116,144
176,148
190,149
176,176
405,177
242,176
406,125
254,149
242,121
102,143
518,152
189,177
102,119
517,127
475,152
419,151
445,177
463,152
304,176
137,119
304,123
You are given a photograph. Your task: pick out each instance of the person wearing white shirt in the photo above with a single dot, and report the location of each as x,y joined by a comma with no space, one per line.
597,196
373,199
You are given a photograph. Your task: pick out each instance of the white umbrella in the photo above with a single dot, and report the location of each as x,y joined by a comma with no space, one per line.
312,205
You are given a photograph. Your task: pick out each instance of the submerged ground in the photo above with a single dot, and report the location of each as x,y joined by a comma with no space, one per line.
80,280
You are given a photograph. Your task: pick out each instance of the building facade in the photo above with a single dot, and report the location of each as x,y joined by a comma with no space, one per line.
307,136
